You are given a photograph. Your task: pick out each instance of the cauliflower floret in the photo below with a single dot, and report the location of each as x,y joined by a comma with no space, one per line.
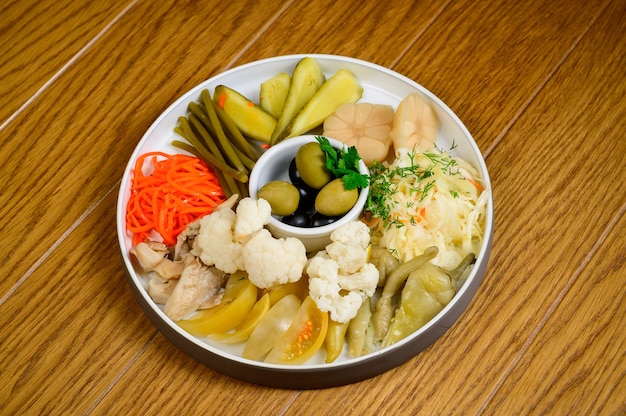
343,267
349,246
252,215
350,258
325,290
270,261
216,243
363,281
353,233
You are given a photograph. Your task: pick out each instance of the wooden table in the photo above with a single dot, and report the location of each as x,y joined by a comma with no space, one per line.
541,86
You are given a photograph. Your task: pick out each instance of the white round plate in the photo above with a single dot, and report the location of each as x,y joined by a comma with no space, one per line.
380,85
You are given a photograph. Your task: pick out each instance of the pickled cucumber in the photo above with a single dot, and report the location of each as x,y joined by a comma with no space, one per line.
341,88
273,92
306,79
251,119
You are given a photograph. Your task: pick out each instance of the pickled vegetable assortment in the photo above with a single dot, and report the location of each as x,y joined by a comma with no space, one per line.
380,279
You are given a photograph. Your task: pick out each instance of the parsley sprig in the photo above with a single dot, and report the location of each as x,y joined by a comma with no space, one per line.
344,164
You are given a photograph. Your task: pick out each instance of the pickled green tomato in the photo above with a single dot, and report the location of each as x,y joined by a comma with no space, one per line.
273,325
282,196
427,291
334,199
311,164
383,313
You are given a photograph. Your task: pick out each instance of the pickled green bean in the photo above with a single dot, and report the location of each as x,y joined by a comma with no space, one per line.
213,160
247,162
213,147
205,137
223,141
358,328
335,338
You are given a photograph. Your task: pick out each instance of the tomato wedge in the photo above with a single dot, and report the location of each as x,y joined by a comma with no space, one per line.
304,337
243,331
299,288
273,325
239,297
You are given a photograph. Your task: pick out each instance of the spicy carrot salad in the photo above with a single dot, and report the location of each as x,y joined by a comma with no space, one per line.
179,190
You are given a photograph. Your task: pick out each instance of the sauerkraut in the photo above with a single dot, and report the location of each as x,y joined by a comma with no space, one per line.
428,199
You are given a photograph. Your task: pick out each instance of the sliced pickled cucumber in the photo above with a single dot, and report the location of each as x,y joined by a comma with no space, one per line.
273,92
250,119
341,88
306,79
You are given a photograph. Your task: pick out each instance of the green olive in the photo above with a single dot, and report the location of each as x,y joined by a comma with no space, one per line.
334,199
311,165
282,196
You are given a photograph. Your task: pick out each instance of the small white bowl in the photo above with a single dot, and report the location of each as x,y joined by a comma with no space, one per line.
274,165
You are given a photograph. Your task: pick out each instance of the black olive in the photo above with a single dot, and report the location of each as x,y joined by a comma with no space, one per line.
298,219
319,220
294,175
296,179
307,198
307,194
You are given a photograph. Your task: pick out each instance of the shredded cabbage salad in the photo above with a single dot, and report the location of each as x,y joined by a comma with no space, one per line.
428,198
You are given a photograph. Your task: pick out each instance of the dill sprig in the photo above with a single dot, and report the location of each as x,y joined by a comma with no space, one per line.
384,180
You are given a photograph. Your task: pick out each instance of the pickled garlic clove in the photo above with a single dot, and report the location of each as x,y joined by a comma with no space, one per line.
415,124
365,126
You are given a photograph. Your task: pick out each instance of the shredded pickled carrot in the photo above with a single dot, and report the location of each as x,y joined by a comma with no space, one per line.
179,190
476,184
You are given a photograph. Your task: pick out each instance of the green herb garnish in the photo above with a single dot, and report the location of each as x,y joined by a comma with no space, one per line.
421,183
344,164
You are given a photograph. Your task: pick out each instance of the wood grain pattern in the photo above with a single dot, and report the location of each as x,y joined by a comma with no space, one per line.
542,87
368,30
85,128
78,325
38,38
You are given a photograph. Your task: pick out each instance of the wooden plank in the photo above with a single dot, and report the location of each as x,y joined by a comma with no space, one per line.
577,361
75,325
576,364
185,386
378,32
90,120
487,59
548,233
37,38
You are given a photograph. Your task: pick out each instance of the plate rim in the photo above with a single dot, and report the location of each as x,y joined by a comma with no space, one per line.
320,375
